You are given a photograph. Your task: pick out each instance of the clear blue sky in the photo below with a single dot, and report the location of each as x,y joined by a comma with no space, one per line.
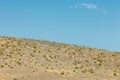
94,23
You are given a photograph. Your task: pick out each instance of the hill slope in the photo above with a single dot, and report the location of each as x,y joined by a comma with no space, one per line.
26,59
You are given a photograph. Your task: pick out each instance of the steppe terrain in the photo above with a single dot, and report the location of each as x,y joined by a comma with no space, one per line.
27,59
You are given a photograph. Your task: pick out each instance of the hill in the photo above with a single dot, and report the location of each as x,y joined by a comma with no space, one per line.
27,59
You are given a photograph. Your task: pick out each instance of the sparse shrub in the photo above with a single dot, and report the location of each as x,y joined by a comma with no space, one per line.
100,62
84,70
11,67
62,73
74,53
18,62
11,52
2,66
34,51
76,67
34,47
47,67
33,71
6,64
52,68
115,74
74,70
91,70
39,51
49,51
10,56
44,56
90,49
114,55
32,55
65,51
87,61
1,52
76,62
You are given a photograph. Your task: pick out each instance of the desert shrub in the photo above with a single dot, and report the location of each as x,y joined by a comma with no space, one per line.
39,51
34,47
18,62
102,53
74,53
49,51
91,70
11,52
115,74
6,64
114,55
2,66
10,56
62,73
84,70
32,55
1,52
74,70
76,62
65,51
47,67
11,67
100,62
90,49
34,51
76,67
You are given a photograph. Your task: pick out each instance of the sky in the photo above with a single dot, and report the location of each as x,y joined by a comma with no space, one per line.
92,23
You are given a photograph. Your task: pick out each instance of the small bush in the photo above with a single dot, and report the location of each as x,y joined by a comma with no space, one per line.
2,66
84,70
62,73
76,67
115,74
91,70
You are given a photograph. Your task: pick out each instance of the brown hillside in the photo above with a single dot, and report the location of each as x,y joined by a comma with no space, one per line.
26,59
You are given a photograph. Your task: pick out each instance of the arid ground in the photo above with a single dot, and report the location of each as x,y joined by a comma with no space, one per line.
27,59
